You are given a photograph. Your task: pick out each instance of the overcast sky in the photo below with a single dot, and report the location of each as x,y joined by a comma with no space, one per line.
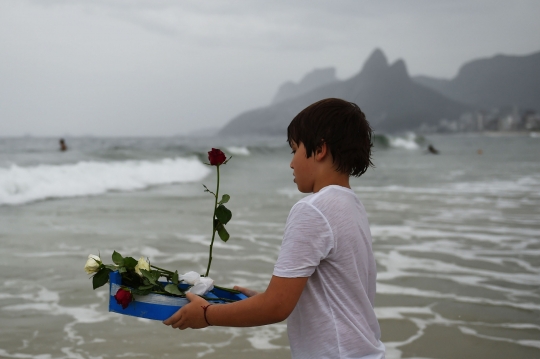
164,67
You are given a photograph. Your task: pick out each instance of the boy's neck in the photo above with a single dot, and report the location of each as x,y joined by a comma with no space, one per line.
325,171
332,178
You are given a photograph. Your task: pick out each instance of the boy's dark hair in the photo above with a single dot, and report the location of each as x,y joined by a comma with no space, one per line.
342,126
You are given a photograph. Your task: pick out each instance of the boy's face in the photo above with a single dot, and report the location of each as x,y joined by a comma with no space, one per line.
303,168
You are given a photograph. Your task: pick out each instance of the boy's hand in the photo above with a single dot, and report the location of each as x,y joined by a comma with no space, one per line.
189,316
245,291
271,306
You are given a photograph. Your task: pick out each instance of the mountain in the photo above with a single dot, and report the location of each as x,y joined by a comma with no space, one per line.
498,81
387,95
310,81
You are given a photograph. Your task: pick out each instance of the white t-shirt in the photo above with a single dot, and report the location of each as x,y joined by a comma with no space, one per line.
327,239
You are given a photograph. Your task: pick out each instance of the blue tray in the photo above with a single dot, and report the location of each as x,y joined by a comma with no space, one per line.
157,306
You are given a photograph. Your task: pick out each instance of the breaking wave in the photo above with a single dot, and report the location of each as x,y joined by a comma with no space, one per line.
238,151
408,141
20,185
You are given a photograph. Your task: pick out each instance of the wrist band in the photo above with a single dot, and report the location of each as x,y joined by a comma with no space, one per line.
205,307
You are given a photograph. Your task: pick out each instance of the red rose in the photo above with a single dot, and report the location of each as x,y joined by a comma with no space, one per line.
216,157
123,297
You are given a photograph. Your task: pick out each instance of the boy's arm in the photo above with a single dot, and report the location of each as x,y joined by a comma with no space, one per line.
272,306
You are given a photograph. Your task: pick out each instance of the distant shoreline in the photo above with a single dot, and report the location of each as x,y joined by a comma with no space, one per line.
482,133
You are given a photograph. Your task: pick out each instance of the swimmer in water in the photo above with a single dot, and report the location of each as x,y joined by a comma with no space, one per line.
63,146
432,150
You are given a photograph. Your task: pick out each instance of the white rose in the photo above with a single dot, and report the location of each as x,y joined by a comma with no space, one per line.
203,286
92,264
142,264
190,277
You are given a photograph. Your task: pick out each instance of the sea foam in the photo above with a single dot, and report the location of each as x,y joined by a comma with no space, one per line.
20,185
407,142
238,151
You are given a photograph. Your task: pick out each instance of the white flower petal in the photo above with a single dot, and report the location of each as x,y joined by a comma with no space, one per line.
92,264
204,285
142,264
190,277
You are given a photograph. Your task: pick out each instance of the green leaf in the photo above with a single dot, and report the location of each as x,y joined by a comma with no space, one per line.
122,270
112,267
223,214
148,276
130,263
117,258
151,275
141,292
223,234
173,289
132,279
101,278
145,287
225,199
175,277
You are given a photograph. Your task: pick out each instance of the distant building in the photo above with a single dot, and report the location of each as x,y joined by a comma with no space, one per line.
507,119
531,121
446,125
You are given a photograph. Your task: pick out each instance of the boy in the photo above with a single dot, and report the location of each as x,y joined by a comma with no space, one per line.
324,278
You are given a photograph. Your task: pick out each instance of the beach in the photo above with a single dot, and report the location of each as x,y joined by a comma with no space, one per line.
456,237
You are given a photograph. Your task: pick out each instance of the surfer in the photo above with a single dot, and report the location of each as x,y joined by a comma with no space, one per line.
63,146
432,150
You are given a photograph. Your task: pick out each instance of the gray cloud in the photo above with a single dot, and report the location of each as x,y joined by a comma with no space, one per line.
159,67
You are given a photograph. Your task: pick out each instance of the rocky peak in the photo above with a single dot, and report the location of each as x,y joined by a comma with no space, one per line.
376,63
312,80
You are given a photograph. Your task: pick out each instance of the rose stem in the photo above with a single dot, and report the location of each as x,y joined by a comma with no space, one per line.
161,269
213,225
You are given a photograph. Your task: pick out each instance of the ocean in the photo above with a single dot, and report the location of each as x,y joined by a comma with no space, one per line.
456,237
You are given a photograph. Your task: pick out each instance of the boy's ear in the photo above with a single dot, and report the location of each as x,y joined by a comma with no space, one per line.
321,151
